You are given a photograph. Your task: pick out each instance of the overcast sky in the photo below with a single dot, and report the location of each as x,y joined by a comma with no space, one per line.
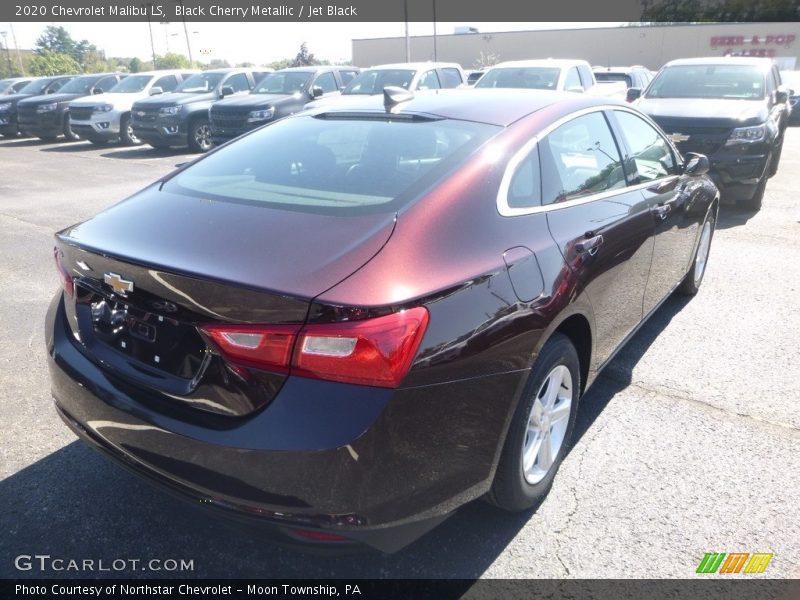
254,42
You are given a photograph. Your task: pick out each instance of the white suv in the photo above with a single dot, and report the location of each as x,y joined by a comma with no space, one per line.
108,118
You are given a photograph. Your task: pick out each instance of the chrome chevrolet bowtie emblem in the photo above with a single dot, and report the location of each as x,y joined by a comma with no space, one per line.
117,283
140,113
678,137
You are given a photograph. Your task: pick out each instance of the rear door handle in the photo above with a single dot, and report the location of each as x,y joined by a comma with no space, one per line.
589,245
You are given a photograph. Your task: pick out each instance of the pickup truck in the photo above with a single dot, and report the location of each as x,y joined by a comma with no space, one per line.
732,109
9,127
181,118
563,75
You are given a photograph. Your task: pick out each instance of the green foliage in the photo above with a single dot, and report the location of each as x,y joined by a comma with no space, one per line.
57,40
691,11
53,63
245,65
304,58
135,65
172,60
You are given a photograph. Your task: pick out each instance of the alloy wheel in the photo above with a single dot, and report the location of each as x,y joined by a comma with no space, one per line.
702,252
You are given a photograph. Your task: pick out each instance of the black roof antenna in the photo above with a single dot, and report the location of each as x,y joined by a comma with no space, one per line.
393,95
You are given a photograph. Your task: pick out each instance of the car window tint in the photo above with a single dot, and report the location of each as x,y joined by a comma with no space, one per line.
452,78
333,165
525,190
106,83
327,81
578,159
238,82
572,80
56,85
347,76
429,81
651,156
168,83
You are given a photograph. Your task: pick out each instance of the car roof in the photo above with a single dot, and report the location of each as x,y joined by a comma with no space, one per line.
415,66
540,62
493,106
764,63
315,68
617,69
167,72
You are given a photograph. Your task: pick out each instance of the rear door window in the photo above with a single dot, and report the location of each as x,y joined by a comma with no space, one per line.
525,190
578,159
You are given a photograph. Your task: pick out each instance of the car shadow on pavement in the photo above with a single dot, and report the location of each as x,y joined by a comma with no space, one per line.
139,152
733,216
66,147
22,142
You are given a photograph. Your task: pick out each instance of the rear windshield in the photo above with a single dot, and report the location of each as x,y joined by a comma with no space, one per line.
708,81
36,87
626,79
333,165
536,78
283,83
132,84
201,82
79,85
373,81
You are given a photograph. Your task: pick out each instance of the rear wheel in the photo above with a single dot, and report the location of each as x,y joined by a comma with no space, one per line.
126,135
541,430
200,136
691,283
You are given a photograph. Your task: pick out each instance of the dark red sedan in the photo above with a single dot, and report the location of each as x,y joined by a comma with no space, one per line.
348,323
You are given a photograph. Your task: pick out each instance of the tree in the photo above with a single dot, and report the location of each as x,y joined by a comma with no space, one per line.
692,11
57,40
304,58
171,60
53,63
486,59
244,65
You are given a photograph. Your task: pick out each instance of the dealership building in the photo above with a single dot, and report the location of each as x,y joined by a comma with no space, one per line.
648,45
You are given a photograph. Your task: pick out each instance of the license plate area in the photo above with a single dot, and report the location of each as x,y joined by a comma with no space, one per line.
138,340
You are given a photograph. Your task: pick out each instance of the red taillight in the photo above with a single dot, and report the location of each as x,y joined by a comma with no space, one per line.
262,346
376,352
66,278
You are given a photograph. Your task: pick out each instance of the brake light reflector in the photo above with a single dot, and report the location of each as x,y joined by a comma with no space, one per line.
264,346
66,278
374,352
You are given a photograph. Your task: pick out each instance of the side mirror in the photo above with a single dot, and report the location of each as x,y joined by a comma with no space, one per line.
97,91
155,91
633,94
226,91
781,97
696,164
576,88
316,91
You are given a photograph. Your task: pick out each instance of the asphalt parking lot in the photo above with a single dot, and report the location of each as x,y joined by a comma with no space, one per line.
689,442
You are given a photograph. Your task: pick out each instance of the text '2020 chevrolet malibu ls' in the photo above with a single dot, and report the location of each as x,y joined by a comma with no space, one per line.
348,323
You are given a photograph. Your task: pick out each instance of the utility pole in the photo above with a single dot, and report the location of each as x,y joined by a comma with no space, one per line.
408,40
16,46
186,33
149,7
8,52
435,54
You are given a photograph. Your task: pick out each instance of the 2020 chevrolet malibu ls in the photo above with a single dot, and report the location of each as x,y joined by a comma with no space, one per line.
348,323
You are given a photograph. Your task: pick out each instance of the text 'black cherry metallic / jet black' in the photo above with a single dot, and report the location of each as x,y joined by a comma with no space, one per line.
348,323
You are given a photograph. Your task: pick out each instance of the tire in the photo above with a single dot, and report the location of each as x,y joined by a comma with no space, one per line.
159,145
199,136
126,135
69,135
522,479
754,203
694,278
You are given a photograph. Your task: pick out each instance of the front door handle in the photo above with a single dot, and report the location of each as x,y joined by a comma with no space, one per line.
662,210
590,245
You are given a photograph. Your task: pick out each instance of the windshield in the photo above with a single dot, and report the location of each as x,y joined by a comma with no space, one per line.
283,83
79,85
626,79
36,87
741,82
335,166
199,83
535,78
132,84
373,81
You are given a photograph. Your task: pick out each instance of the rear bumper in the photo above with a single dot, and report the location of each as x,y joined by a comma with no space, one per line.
380,467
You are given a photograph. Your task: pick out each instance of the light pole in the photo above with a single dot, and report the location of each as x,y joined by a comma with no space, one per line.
8,52
435,55
186,33
148,6
408,40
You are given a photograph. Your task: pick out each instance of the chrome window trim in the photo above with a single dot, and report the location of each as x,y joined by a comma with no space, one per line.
511,168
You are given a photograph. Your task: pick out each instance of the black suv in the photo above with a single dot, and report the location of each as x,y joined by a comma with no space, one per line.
47,116
181,118
279,94
733,110
8,104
